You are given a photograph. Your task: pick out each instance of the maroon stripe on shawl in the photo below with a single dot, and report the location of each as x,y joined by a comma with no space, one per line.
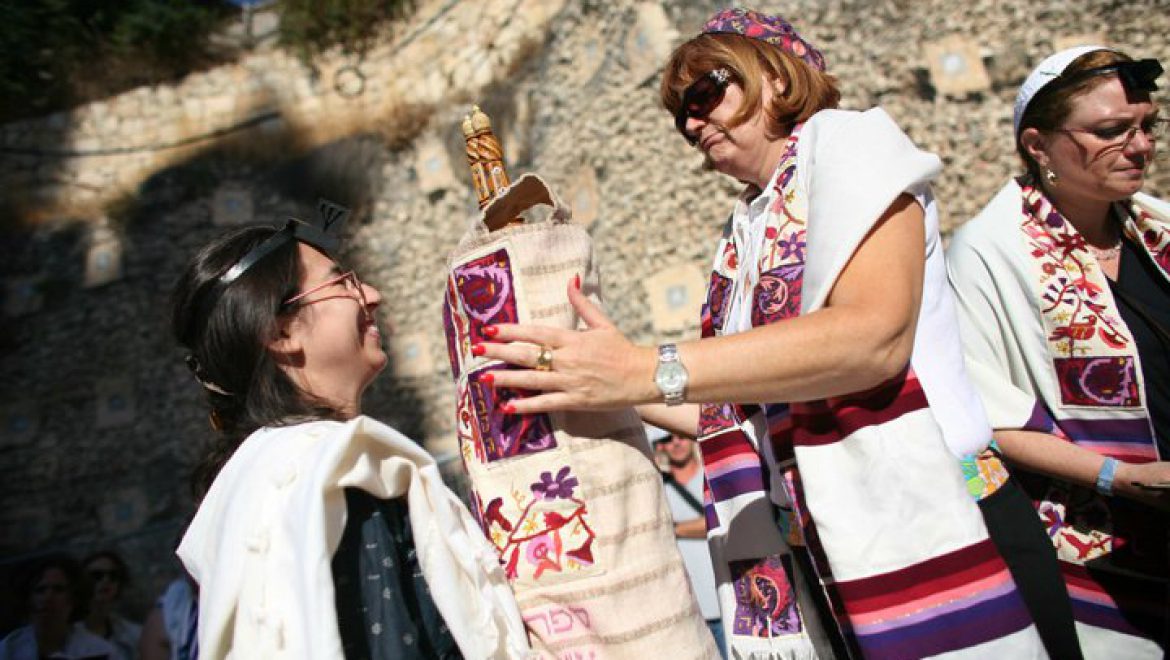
948,571
832,420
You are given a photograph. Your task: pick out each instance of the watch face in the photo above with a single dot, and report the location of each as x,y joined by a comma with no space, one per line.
670,377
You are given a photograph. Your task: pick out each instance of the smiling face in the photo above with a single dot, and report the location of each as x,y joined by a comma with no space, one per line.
330,344
1093,153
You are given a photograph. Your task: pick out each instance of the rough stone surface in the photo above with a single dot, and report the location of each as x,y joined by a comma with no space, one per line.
567,87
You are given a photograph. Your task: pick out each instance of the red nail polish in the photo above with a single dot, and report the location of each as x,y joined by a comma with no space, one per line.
490,331
508,409
488,379
477,350
577,281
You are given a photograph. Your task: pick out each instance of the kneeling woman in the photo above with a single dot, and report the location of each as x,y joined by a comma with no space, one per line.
323,533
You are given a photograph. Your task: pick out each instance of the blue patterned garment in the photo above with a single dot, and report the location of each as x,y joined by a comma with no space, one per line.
384,608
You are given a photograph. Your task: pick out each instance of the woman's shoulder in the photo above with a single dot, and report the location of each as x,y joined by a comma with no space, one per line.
867,143
990,224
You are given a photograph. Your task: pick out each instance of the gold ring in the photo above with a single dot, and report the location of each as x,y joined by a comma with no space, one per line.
544,359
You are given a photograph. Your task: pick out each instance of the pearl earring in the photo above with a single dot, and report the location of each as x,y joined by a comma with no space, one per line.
1051,177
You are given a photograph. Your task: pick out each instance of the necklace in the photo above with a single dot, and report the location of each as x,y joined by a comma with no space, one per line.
1105,254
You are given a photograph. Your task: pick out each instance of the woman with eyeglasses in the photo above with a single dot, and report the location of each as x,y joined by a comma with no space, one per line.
108,575
1063,283
322,533
828,385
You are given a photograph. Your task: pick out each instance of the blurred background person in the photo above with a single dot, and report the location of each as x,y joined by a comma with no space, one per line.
108,576
169,631
682,474
55,591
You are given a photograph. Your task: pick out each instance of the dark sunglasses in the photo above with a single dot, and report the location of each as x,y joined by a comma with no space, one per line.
1135,76
97,574
700,98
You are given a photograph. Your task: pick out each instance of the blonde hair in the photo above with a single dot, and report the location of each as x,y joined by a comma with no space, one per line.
806,90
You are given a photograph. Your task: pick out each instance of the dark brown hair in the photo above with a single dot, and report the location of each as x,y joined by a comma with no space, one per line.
1051,106
806,90
227,342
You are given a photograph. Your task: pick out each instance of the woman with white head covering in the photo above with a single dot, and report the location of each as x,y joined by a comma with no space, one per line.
1063,283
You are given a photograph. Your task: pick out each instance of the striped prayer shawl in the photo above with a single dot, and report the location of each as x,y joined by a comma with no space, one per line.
1050,353
863,482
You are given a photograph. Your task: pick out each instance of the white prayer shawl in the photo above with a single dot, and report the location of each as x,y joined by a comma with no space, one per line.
262,543
1002,265
870,463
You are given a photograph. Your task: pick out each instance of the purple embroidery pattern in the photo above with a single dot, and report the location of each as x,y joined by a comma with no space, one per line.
1098,381
551,488
717,293
765,602
456,334
505,436
778,294
486,288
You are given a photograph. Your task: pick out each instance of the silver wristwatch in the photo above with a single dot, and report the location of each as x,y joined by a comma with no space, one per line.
671,375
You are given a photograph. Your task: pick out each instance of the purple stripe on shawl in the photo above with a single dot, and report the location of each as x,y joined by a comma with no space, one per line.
1041,420
1110,618
924,615
1128,431
736,482
969,627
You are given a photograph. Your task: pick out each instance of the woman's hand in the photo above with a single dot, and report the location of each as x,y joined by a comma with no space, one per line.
1135,481
595,368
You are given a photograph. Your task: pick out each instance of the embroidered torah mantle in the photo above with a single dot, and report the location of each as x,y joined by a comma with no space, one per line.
571,501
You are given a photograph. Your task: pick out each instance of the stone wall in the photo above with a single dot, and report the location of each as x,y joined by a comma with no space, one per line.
100,419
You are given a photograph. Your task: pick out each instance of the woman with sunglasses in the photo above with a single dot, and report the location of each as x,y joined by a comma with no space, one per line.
108,575
829,345
322,533
1063,283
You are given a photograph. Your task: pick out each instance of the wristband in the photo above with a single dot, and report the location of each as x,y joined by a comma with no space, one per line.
1105,476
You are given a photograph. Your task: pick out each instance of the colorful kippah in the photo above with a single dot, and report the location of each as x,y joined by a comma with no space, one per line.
769,29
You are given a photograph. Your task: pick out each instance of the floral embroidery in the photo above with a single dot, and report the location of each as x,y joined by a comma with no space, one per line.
560,487
547,528
1091,347
984,473
1078,521
765,601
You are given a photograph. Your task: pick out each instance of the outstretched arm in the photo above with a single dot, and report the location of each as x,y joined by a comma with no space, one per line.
861,338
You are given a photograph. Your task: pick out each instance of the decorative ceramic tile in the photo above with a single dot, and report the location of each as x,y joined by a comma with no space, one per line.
22,295
124,511
676,296
232,206
19,423
103,260
115,402
584,196
432,165
410,355
956,67
649,42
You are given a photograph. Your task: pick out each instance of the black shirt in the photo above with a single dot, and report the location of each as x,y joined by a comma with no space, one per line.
1143,282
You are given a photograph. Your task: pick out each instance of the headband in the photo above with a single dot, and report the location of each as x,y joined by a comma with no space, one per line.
323,235
769,29
1048,77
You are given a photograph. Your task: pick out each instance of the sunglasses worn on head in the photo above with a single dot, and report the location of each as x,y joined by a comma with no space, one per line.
1135,76
700,98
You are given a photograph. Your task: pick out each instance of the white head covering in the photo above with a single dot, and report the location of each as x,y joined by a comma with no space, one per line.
1046,72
